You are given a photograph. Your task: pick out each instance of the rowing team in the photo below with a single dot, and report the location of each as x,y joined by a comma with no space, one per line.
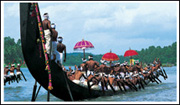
10,76
116,77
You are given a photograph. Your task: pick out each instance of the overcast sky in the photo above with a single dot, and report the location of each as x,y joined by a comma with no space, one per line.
113,25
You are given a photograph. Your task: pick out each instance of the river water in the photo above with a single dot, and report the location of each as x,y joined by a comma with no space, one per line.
164,92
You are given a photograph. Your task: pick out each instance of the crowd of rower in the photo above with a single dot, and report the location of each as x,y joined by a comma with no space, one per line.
10,76
116,76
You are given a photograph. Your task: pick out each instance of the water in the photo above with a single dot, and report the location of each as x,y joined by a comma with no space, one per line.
164,92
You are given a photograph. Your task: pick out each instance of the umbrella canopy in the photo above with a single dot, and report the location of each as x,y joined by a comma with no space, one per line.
110,57
82,45
130,53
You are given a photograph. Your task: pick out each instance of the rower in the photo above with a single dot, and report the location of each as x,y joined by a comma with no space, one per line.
70,74
102,68
12,75
78,75
91,65
18,72
6,76
82,66
46,23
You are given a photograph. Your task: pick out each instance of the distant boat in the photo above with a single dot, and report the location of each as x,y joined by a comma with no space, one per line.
36,64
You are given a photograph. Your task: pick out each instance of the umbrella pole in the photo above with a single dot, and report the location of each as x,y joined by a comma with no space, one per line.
84,53
131,60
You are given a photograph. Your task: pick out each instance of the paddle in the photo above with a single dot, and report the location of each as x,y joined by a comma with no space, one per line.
102,86
153,77
128,84
23,75
16,78
158,79
111,86
141,83
123,86
119,86
165,72
132,84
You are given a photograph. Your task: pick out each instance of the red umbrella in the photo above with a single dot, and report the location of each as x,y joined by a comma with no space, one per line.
130,53
110,57
83,45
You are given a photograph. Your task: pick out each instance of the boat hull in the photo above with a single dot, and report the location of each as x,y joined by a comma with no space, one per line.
35,61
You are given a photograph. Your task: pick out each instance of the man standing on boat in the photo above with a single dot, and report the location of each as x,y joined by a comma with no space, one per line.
47,31
54,42
60,48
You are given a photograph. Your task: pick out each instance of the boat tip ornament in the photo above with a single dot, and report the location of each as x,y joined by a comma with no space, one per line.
43,44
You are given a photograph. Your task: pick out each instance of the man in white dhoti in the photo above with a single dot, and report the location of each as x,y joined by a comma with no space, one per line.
47,31
60,48
54,42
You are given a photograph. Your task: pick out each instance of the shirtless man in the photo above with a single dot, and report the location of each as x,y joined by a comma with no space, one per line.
54,42
70,75
6,76
47,31
60,48
12,75
18,72
102,68
77,75
91,65
82,66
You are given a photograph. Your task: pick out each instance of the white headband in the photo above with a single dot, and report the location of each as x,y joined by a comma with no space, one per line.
53,26
46,16
59,40
89,57
84,60
102,61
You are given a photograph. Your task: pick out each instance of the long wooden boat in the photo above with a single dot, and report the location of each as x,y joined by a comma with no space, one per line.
35,61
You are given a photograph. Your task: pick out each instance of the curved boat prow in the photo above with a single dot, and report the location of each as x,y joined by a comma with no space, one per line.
35,61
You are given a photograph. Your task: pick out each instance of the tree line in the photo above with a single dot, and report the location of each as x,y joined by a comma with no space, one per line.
167,54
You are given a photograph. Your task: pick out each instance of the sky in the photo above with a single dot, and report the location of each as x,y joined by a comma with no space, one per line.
115,26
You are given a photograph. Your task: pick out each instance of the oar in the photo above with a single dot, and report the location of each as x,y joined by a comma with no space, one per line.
89,87
23,75
105,83
154,79
119,86
133,85
102,87
128,84
158,79
162,74
165,73
144,81
141,83
123,86
16,78
111,86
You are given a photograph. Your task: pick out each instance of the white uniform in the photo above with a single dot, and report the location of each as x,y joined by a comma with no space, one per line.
48,38
54,49
59,57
